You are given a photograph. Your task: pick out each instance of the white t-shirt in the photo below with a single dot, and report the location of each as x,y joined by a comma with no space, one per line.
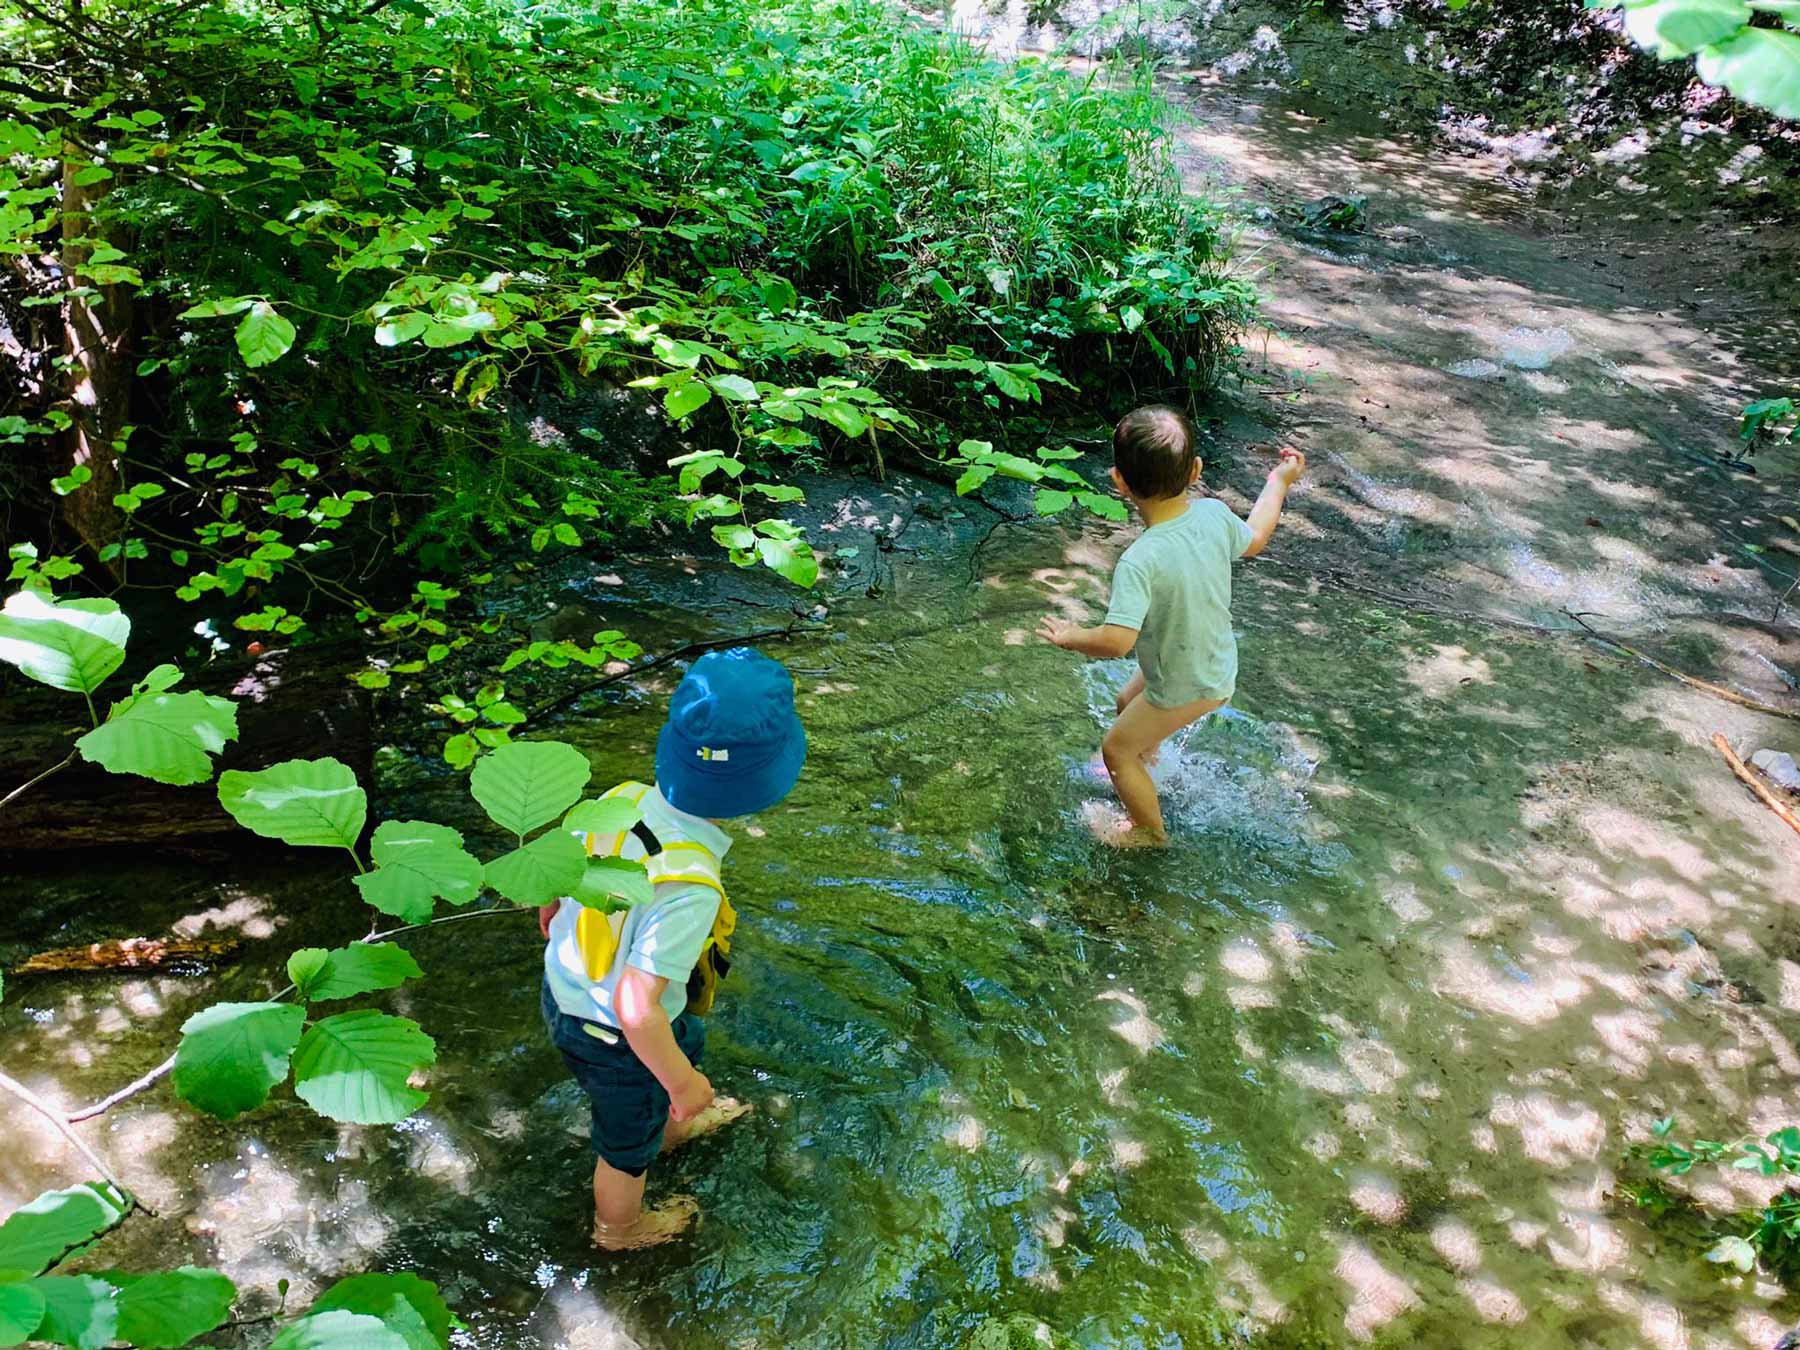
664,937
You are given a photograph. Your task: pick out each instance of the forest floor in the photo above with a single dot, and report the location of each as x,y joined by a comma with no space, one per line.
1460,900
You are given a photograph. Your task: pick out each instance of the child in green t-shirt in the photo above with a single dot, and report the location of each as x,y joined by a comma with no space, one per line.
1171,601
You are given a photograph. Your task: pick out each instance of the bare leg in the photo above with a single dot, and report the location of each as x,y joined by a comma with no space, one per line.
1141,728
1133,687
621,1223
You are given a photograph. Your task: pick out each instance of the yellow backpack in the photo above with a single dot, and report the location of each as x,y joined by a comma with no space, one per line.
598,934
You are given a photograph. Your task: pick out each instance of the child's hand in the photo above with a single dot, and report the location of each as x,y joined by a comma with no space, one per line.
695,1096
1054,630
1292,465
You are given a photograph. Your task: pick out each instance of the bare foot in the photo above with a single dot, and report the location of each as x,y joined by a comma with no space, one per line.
1115,829
653,1227
721,1113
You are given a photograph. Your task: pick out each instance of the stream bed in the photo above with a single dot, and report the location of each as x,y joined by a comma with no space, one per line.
1458,902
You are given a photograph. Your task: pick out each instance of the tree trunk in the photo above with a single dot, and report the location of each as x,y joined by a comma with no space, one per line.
96,335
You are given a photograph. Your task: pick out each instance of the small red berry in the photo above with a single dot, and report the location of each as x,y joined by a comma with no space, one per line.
255,649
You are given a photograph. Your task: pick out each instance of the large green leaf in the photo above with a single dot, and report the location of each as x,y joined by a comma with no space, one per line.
391,1297
529,783
232,1054
613,883
549,866
312,802
1674,28
38,1235
71,645
603,815
790,558
21,1309
1760,66
170,1307
353,1067
360,968
79,1311
338,1330
168,737
418,863
262,334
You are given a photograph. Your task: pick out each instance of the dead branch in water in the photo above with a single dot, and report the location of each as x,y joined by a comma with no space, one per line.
1755,784
1704,686
166,954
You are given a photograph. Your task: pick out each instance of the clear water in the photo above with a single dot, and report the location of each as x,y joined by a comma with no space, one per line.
1451,915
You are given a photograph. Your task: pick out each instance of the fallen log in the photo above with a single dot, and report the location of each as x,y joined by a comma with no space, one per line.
171,956
1754,782
286,710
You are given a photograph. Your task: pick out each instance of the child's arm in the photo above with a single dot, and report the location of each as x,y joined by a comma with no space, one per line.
1266,514
638,1002
1106,642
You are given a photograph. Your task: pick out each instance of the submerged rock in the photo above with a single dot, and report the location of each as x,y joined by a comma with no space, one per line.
1780,768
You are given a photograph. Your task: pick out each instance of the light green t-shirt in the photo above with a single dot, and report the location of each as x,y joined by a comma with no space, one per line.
1174,586
664,937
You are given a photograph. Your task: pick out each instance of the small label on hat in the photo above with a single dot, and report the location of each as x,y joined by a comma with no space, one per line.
706,752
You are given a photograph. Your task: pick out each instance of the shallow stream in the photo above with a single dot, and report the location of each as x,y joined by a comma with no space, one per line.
1455,908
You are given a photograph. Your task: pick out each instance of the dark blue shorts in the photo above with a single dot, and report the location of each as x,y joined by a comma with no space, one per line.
628,1105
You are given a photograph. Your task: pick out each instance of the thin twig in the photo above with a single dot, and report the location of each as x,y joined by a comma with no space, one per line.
63,1127
1755,784
1704,686
25,787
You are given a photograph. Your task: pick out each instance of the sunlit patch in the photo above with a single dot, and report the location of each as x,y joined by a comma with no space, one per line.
1378,1198
965,1132
246,914
1403,899
1456,1242
1447,670
1136,1030
1493,1303
1247,1046
1555,1133
1248,997
1243,959
1659,1321
1377,1296
1128,1153
1193,984
1112,1088
1588,1242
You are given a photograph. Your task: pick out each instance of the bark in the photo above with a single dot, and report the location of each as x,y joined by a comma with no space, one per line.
174,956
96,338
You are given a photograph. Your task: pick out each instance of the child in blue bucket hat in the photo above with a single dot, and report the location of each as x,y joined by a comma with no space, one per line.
624,993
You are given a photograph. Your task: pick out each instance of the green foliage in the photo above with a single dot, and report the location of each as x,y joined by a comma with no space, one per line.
72,645
1758,64
168,737
233,1054
171,1307
524,786
404,1303
89,1311
1771,1235
38,1235
360,968
418,863
306,802
354,1067
979,462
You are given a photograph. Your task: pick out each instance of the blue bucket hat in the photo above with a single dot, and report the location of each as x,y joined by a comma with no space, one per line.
733,743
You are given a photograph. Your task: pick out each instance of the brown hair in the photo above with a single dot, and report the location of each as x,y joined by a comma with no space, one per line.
1153,449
